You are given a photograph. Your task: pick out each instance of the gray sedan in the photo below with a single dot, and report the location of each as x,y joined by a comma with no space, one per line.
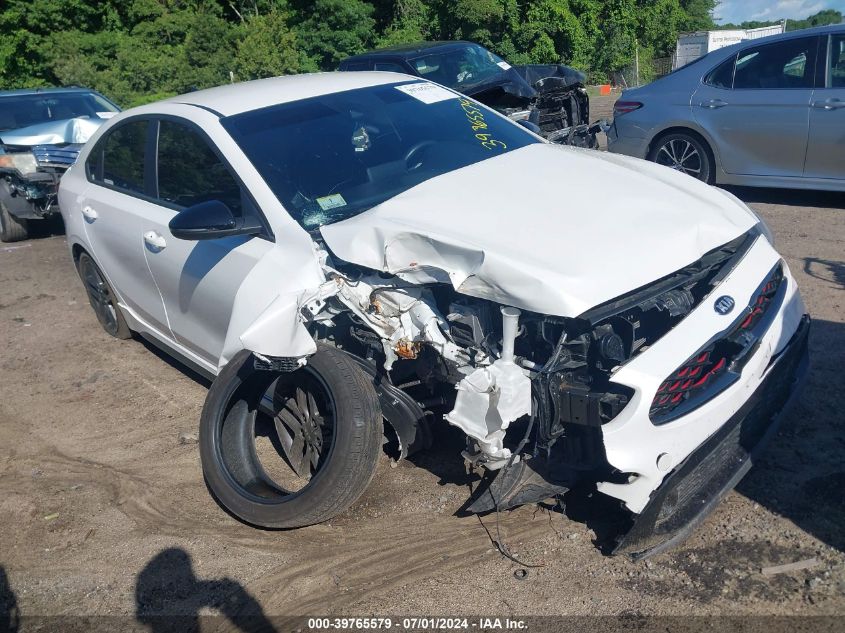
764,113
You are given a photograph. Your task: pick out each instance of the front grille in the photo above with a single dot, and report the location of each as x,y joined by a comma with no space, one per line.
717,365
56,155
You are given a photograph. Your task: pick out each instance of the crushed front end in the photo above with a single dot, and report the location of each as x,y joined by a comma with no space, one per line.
30,177
694,427
615,408
550,96
658,399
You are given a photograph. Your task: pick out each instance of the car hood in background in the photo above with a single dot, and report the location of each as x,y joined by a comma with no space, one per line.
77,130
526,81
545,228
508,81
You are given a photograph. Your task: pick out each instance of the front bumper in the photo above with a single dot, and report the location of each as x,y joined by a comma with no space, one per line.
32,197
698,484
647,452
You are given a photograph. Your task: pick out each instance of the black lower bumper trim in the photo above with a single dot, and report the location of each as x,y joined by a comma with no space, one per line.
697,486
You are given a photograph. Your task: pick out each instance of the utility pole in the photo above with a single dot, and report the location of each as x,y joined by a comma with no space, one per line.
637,62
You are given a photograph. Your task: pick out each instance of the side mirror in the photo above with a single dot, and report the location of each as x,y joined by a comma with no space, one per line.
530,126
210,220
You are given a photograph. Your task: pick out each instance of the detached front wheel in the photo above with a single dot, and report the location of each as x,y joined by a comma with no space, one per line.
289,449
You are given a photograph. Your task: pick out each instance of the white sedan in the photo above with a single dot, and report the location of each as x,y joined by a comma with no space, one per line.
339,249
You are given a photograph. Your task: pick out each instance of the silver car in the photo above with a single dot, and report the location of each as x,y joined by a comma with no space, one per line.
764,113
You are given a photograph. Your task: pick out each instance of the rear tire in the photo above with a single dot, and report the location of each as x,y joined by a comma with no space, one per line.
685,152
337,471
12,229
101,297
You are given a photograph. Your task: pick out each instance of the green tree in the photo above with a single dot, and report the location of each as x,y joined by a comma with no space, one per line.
207,54
412,21
330,30
268,47
698,15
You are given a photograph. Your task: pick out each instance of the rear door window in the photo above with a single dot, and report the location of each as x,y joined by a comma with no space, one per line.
723,75
118,160
190,172
779,66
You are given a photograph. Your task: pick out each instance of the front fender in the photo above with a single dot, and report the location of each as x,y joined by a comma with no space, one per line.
265,314
277,332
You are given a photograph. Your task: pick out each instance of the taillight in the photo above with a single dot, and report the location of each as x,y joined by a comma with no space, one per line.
624,107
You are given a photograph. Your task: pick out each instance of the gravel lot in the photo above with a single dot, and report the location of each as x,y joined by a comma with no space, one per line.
103,509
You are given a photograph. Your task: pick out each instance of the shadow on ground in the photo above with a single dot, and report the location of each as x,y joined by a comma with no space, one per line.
42,229
825,270
791,197
801,475
10,617
169,597
171,360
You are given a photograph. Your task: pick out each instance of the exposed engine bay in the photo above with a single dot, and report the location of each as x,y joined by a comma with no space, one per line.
33,159
531,392
31,177
556,102
41,134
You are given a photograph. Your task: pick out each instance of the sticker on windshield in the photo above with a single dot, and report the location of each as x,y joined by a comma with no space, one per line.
426,92
331,202
503,65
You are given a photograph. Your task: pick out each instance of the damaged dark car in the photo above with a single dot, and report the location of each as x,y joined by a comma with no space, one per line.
41,133
550,99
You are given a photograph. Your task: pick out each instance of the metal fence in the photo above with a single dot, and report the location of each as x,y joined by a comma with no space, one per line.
642,72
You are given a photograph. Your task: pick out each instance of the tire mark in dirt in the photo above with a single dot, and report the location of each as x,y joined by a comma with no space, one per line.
364,557
142,501
383,556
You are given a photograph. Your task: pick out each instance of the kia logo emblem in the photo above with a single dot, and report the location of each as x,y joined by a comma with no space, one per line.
724,304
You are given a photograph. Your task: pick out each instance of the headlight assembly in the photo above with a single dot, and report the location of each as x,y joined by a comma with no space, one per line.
23,162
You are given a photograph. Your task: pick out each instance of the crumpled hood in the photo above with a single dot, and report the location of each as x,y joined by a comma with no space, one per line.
546,228
77,130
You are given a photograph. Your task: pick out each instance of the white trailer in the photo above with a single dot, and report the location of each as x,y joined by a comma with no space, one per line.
691,46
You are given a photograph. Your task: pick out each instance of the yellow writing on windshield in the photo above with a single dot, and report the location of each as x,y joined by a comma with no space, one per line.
477,122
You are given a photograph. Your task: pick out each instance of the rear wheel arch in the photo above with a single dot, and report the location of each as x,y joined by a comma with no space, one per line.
76,251
100,295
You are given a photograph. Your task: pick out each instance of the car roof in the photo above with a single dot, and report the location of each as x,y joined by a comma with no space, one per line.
716,57
261,93
788,35
21,92
410,50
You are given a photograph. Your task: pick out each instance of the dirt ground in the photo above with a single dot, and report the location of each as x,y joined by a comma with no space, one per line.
103,509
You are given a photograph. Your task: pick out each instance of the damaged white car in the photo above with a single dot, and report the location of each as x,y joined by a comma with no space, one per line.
343,249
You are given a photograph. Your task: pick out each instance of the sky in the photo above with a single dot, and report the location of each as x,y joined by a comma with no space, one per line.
736,11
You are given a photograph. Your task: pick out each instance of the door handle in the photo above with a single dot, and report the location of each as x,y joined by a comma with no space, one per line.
712,104
829,104
154,241
89,214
